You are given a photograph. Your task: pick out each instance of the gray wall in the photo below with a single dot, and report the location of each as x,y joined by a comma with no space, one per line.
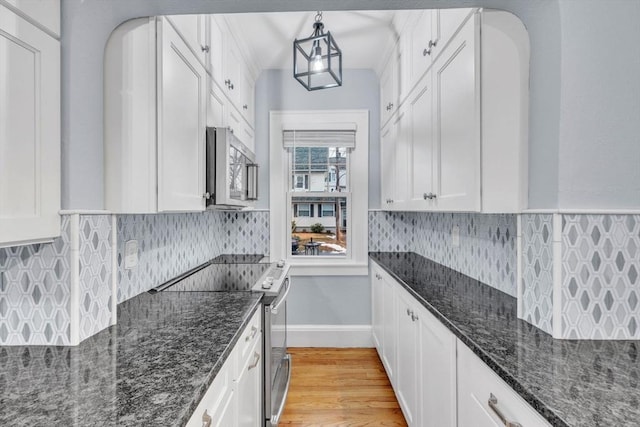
329,301
600,107
584,100
322,300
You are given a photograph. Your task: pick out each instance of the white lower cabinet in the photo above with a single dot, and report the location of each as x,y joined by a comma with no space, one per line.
437,373
484,399
235,396
407,333
438,381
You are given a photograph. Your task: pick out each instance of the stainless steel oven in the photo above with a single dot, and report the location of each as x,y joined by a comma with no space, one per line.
276,285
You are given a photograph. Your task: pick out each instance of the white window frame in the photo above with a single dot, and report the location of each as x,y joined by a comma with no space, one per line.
308,210
357,202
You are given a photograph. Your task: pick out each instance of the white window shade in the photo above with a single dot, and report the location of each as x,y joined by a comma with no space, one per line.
319,138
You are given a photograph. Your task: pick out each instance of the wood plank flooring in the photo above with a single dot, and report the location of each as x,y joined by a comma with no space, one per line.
340,387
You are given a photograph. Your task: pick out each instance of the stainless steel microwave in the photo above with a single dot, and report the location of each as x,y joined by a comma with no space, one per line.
232,171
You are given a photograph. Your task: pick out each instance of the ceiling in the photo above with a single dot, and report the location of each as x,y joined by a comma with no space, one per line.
361,35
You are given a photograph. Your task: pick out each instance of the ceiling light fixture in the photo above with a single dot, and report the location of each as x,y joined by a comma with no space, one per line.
317,60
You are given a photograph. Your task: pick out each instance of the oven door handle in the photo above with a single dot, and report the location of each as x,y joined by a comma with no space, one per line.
276,306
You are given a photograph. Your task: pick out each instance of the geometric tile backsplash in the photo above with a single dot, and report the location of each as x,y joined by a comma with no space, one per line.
34,292
597,280
486,250
170,244
44,287
95,290
601,276
537,270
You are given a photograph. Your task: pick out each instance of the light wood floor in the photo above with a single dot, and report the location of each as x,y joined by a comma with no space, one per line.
340,387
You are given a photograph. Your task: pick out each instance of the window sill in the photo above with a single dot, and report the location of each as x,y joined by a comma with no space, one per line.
328,268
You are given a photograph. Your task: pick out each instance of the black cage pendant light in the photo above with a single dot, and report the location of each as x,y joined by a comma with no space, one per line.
317,60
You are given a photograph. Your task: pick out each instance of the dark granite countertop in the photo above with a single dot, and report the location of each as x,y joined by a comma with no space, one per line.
152,368
574,383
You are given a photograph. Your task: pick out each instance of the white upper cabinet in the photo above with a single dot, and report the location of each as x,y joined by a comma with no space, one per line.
182,97
465,126
418,41
44,13
29,128
155,118
457,123
192,28
216,49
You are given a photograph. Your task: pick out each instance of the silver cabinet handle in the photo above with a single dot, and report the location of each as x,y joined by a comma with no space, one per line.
245,107
426,52
205,48
432,43
254,331
429,196
255,361
206,195
408,312
493,404
413,317
206,419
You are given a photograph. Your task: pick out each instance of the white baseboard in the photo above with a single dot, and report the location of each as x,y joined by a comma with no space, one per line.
329,336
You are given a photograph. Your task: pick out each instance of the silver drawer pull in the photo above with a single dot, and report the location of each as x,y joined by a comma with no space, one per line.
254,331
206,419
493,404
255,363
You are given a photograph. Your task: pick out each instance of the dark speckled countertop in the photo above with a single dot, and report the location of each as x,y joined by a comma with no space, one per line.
152,368
574,383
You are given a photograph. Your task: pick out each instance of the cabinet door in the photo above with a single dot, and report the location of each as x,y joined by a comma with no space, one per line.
457,122
423,150
181,124
29,131
389,330
377,308
406,378
227,413
216,50
437,373
387,96
446,23
216,107
477,383
233,70
400,192
249,384
192,30
248,96
419,43
387,166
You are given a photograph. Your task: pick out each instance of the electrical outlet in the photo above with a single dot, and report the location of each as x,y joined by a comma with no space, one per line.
130,254
455,236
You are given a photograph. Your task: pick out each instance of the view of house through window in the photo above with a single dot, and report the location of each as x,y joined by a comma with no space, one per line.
319,193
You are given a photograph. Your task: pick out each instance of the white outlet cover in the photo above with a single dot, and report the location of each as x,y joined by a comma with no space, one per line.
455,236
130,254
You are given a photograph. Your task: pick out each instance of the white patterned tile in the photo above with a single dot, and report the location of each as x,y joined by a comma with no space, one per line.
34,292
537,275
600,276
171,244
95,274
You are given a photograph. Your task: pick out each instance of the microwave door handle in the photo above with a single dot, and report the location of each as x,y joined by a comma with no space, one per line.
276,306
252,181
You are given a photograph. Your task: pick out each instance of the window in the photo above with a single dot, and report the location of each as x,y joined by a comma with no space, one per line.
319,201
329,210
302,209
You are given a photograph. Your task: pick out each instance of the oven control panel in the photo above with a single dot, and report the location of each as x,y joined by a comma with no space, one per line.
272,279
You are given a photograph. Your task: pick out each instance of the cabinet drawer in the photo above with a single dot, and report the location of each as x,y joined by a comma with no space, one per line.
477,383
250,336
